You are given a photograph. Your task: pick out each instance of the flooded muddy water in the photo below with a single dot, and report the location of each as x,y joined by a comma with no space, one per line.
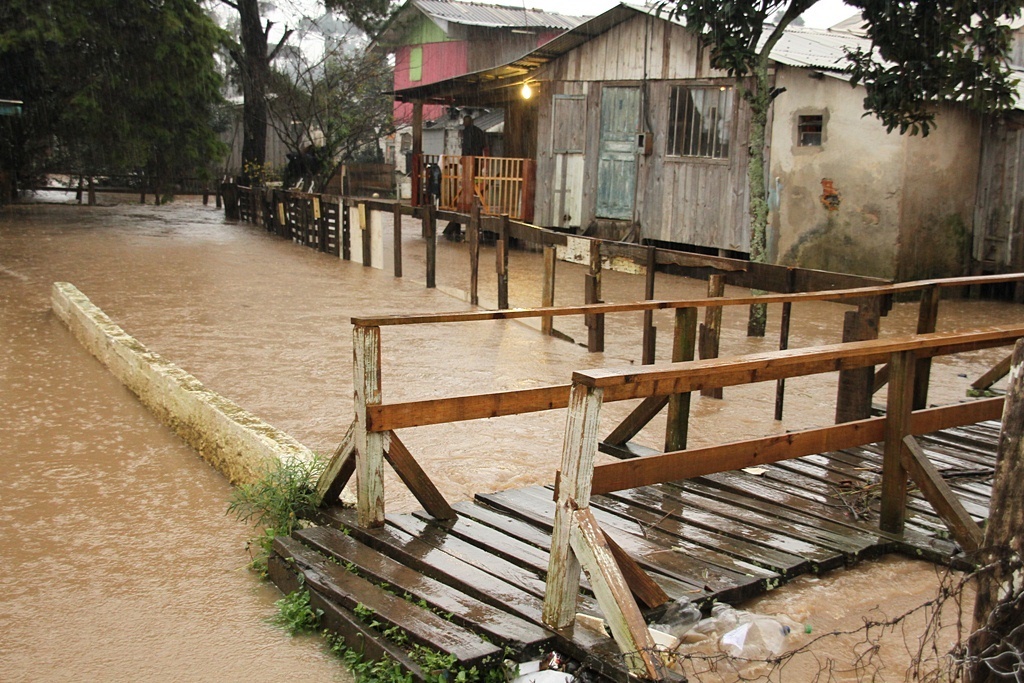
120,562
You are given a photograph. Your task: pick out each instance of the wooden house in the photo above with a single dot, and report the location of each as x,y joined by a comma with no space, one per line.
636,137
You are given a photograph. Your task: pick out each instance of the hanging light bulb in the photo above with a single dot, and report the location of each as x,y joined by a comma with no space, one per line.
527,91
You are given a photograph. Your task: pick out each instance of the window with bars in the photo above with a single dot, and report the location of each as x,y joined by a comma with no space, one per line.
700,121
810,130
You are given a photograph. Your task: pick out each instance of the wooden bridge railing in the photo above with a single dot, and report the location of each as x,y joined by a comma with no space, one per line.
577,542
373,438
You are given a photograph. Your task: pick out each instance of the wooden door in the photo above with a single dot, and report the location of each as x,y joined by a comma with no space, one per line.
568,143
617,156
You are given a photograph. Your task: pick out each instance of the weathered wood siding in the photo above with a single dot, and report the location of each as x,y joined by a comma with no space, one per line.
999,214
689,201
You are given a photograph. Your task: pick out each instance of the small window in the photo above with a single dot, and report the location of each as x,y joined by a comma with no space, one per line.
700,121
809,130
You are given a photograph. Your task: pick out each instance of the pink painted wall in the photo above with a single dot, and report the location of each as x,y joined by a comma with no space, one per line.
440,61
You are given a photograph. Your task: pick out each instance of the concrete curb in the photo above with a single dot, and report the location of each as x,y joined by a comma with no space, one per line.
237,443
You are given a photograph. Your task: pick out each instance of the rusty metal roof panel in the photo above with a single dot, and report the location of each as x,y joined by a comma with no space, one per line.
497,16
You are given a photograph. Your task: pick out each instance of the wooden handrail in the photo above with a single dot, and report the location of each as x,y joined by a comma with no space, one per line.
590,309
665,380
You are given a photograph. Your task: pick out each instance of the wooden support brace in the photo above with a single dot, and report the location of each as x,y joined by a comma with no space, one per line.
620,610
640,583
637,420
780,385
650,332
592,295
998,371
881,378
430,234
410,472
339,470
936,491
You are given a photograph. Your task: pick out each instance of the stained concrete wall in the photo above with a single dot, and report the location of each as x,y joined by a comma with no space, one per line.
866,201
235,442
835,206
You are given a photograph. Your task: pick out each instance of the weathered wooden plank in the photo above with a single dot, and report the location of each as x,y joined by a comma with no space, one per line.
964,529
856,385
500,626
928,316
369,445
996,373
649,381
339,470
780,385
578,451
620,611
548,291
649,345
641,585
348,590
679,522
397,239
342,622
428,560
416,479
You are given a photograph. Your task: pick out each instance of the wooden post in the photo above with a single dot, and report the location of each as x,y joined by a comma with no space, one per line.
364,227
206,195
999,608
592,294
927,316
464,202
548,293
473,234
346,229
398,238
780,385
92,192
579,447
430,233
369,445
711,330
683,342
650,332
217,197
501,255
418,191
897,425
529,190
856,387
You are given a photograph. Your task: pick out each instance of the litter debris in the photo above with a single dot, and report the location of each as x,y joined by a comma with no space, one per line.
554,667
756,471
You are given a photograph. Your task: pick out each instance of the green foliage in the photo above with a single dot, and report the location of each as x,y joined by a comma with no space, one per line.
935,51
296,615
283,496
112,86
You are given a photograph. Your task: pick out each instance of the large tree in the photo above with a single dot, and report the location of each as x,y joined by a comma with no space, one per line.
111,87
254,57
923,52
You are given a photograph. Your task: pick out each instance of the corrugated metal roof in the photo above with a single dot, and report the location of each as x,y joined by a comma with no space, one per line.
496,16
816,48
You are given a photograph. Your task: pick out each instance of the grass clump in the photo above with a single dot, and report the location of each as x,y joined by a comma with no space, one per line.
296,615
277,503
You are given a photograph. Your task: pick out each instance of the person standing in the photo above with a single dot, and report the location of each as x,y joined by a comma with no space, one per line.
474,140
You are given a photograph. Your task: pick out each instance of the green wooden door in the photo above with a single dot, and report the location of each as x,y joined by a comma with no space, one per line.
617,158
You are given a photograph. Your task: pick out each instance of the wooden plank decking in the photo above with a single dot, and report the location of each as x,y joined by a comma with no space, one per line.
726,537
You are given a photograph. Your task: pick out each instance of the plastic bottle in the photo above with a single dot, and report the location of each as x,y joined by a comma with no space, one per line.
679,617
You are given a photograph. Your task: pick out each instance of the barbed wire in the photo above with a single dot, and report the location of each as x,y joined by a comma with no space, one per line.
933,642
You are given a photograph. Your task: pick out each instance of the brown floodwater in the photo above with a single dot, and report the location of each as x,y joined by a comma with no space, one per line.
120,562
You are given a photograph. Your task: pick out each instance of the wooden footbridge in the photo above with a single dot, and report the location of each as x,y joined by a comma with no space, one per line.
512,569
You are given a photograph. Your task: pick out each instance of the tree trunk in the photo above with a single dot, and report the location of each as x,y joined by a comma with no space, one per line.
759,100
254,65
997,640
